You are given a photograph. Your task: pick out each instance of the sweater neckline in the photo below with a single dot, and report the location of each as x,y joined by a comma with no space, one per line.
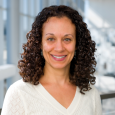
47,96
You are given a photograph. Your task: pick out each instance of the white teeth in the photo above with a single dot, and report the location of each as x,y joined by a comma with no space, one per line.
58,57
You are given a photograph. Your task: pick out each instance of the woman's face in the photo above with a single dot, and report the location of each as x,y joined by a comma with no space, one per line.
58,42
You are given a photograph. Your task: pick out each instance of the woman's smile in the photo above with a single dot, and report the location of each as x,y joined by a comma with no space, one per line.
59,57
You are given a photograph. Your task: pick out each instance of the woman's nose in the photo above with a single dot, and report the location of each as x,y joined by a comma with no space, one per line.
59,46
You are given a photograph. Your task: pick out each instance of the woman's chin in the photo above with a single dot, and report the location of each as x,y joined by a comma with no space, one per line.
59,66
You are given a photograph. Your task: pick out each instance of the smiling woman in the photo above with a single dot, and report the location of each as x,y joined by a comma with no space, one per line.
57,68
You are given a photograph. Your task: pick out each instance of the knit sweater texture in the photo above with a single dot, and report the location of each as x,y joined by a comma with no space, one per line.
23,98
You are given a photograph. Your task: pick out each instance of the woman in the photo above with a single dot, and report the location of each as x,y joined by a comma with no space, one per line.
57,68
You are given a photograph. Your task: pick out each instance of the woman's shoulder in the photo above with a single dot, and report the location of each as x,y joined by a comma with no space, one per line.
93,91
22,86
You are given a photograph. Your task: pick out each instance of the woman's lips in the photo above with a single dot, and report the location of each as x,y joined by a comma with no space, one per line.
59,57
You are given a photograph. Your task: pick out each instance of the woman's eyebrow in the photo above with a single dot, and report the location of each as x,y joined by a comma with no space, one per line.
68,34
64,35
49,33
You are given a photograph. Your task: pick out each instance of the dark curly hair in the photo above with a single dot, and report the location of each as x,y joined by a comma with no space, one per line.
82,66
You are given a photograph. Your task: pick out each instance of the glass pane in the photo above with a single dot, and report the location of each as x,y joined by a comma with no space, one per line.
37,6
32,11
23,29
25,6
5,3
4,14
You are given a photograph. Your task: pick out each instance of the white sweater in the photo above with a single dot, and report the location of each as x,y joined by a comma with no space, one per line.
23,98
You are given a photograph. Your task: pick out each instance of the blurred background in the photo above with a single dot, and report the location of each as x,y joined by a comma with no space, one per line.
16,18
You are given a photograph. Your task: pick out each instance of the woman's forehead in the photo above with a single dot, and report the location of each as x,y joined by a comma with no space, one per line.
56,24
55,19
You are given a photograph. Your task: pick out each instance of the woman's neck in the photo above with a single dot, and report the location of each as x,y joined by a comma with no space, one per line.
54,75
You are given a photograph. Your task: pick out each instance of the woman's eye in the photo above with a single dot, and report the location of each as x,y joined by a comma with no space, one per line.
50,39
67,39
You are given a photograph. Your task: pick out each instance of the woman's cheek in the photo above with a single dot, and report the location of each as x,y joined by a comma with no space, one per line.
71,48
47,47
